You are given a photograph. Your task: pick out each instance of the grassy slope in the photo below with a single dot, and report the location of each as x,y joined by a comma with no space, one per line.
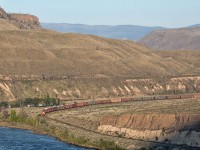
6,25
185,56
51,53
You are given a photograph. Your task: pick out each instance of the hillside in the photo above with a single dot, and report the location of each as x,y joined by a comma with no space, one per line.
42,52
174,39
131,32
185,56
6,25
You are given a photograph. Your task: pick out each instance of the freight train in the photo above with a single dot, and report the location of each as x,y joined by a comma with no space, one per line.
119,100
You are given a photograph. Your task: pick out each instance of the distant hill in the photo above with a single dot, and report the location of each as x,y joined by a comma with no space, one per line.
194,26
173,39
130,32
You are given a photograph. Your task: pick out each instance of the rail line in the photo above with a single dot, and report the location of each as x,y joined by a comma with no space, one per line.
117,101
120,100
140,140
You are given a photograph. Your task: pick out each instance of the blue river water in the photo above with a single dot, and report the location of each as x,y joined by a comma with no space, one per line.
15,139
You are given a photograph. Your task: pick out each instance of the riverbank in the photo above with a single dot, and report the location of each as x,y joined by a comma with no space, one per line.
61,135
13,139
37,131
20,126
28,119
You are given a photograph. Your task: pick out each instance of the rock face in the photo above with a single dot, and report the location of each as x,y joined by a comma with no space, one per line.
173,128
25,21
173,39
22,21
154,121
3,14
65,88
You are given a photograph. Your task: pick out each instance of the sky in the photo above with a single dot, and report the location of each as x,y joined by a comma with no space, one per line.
167,13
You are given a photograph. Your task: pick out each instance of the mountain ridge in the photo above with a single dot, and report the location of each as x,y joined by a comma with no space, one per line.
131,32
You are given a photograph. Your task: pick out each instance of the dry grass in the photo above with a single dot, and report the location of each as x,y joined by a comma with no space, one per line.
191,57
51,53
30,111
6,25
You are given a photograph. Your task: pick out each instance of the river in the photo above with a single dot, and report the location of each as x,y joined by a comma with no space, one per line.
16,139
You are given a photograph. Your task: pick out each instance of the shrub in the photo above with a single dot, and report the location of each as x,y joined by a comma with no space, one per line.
13,116
23,113
108,145
5,114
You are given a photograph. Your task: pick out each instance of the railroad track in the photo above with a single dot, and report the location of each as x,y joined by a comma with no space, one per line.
139,140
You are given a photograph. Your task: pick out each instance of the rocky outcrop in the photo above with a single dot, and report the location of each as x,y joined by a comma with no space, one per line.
3,14
22,21
25,21
172,128
66,87
187,137
154,121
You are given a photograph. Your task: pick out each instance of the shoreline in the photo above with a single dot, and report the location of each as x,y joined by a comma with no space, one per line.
41,132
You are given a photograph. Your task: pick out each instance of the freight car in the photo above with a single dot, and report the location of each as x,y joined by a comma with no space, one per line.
119,100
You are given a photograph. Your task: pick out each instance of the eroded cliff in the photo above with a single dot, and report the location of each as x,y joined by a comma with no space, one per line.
173,128
99,87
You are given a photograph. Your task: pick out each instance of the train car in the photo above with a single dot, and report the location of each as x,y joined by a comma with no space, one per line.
67,106
91,103
54,108
85,103
196,95
127,99
61,107
80,104
148,98
136,98
106,101
74,105
174,96
187,96
160,97
116,100
98,102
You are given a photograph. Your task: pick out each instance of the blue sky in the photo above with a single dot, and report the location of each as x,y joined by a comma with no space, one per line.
168,13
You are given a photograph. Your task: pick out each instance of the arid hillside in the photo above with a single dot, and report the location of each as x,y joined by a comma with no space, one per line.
42,52
6,25
185,56
173,39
